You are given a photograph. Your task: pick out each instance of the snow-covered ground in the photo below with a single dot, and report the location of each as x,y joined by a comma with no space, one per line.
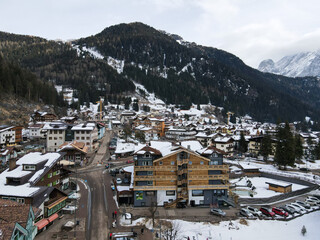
254,230
261,190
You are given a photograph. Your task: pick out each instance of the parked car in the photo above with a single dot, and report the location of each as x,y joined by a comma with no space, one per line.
280,212
267,211
255,211
305,205
299,207
107,166
289,209
311,202
217,211
313,199
119,181
246,213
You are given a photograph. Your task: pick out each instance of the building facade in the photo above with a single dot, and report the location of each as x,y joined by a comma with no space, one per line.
182,176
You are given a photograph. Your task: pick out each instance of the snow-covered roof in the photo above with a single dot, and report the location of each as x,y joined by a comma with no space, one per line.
194,145
84,126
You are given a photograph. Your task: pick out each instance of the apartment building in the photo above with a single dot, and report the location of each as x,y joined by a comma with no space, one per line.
56,135
168,174
86,133
7,135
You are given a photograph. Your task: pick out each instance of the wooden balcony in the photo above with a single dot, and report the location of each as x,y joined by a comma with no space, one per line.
199,187
209,167
143,168
209,177
165,168
151,188
155,177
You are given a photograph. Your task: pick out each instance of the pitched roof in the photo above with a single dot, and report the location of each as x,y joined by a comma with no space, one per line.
149,149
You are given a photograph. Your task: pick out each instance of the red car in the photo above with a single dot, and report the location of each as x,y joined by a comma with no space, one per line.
130,161
266,211
280,212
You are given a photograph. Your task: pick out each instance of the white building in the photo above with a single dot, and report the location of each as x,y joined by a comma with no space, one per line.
86,133
7,135
56,135
37,131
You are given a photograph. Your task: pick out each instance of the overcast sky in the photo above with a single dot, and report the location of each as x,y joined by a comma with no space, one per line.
253,30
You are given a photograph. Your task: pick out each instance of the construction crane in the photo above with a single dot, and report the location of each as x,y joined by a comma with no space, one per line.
229,115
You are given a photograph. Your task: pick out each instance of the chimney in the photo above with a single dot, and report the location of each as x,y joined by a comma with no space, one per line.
12,164
189,148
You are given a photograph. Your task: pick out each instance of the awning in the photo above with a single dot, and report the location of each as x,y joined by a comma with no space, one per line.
42,223
53,217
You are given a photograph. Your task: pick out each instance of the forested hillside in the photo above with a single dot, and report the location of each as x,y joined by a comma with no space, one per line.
176,71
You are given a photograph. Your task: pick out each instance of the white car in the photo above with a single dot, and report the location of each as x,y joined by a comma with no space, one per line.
313,199
255,211
298,207
119,181
246,213
311,202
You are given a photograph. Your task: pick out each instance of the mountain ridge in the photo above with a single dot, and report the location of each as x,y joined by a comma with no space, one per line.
176,71
296,65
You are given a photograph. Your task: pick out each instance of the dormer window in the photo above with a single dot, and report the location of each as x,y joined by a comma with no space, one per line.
29,167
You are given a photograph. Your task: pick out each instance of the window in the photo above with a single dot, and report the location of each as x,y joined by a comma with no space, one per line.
160,163
201,162
190,162
20,200
197,193
29,167
147,155
5,198
50,138
149,173
149,183
170,193
58,172
50,175
149,193
172,162
13,199
49,185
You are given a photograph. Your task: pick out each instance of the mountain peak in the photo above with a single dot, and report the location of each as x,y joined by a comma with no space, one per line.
297,65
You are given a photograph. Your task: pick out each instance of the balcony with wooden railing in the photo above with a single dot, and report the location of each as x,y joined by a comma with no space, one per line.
198,187
155,177
209,167
209,177
151,188
143,168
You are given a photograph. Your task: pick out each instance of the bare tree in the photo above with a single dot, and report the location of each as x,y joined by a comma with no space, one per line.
170,230
153,210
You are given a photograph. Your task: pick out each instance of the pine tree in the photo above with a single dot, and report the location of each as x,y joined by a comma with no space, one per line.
316,151
298,151
266,147
285,148
243,146
303,230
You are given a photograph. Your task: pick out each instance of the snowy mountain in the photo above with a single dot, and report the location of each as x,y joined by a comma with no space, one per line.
297,65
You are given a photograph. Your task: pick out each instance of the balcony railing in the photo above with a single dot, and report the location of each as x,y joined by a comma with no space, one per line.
142,188
153,177
193,187
143,168
208,167
209,177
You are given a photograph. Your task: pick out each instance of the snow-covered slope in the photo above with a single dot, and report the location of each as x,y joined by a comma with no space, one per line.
297,65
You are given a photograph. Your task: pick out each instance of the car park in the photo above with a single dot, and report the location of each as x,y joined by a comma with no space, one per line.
303,204
255,211
280,212
217,211
267,211
246,213
119,181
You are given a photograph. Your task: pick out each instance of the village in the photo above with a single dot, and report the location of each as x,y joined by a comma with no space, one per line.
112,171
